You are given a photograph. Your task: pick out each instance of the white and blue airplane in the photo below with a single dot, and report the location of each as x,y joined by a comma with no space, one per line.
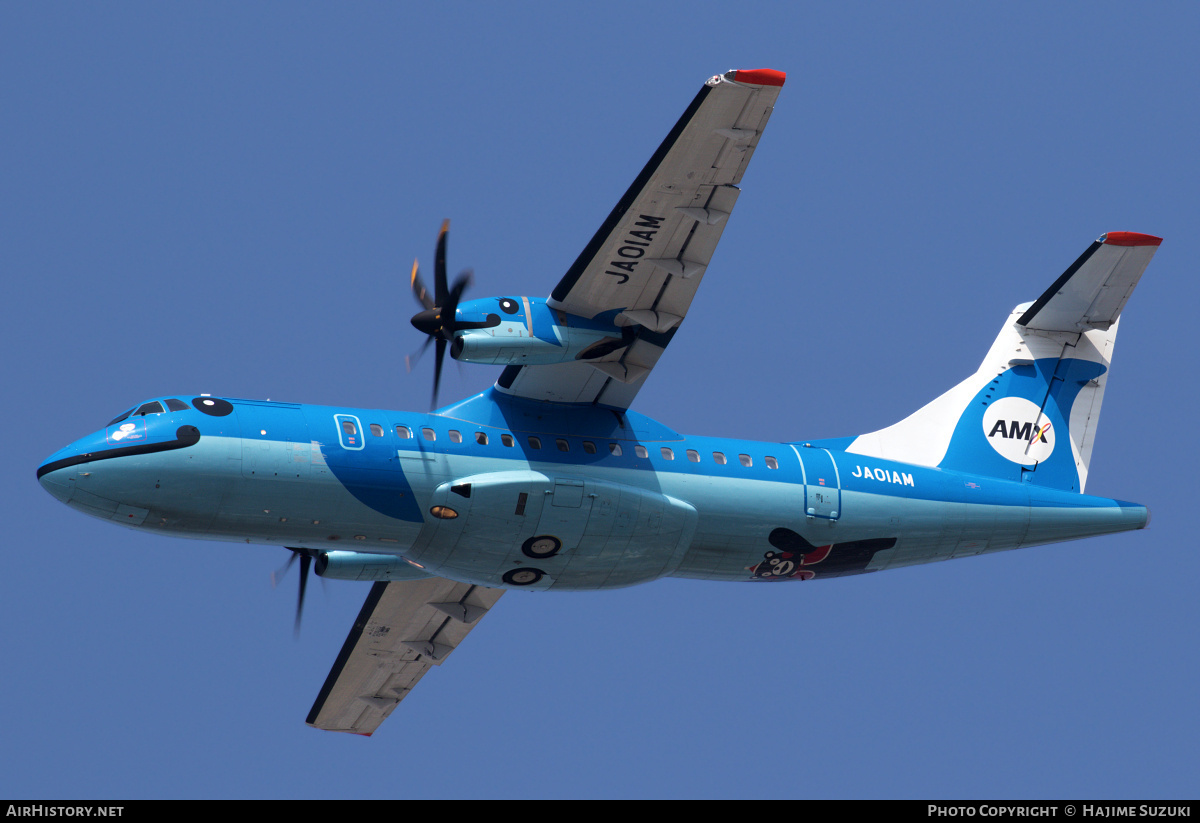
547,480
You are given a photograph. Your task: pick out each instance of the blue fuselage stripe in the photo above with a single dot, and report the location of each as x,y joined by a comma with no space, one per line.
377,453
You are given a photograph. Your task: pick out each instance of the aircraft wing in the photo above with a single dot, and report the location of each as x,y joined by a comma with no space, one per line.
650,254
404,628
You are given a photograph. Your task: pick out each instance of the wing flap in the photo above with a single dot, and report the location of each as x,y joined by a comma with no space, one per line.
404,629
676,297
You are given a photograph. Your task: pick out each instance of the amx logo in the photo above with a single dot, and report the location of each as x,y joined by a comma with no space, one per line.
1018,431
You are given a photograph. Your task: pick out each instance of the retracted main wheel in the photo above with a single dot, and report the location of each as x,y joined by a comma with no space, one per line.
541,547
523,577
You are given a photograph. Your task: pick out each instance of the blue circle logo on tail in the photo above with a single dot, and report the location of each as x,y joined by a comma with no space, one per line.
1018,430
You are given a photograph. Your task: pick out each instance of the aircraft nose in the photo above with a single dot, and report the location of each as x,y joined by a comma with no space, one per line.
57,472
54,480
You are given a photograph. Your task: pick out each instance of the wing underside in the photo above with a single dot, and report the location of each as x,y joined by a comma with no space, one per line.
650,254
404,629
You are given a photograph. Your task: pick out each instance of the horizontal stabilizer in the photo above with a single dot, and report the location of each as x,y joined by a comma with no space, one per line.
1092,291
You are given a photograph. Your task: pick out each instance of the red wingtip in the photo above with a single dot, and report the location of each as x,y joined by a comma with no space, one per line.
1131,238
760,77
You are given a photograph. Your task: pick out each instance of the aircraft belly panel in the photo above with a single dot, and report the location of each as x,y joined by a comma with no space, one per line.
735,518
1052,524
882,531
934,531
608,534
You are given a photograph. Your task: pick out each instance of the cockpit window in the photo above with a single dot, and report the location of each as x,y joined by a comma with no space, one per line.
176,405
120,417
153,407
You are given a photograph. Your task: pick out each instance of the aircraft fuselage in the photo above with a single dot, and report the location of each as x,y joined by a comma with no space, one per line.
503,493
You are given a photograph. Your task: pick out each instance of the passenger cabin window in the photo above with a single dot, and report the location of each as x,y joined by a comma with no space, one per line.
377,430
772,463
455,436
693,455
349,428
563,445
428,434
614,449
507,440
719,458
667,454
176,405
481,438
535,443
589,447
640,451
153,407
404,432
746,461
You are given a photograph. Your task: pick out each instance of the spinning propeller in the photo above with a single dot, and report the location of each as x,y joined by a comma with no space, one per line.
437,318
306,557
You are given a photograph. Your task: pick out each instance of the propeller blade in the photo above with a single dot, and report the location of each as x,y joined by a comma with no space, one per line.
437,368
410,360
280,573
441,291
418,288
305,565
461,283
450,307
306,560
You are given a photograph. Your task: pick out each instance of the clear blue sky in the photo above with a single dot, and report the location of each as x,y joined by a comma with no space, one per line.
225,198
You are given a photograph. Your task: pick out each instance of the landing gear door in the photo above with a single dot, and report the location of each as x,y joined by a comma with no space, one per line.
566,517
822,485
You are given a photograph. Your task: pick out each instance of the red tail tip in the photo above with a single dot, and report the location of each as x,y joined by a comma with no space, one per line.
760,77
1130,238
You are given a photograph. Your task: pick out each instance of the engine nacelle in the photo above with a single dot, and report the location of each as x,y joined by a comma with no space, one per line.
498,347
527,331
363,566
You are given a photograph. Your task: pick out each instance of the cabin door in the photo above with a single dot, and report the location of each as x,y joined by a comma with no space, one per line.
822,484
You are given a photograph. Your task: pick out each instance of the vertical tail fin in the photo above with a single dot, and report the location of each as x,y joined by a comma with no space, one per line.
1029,413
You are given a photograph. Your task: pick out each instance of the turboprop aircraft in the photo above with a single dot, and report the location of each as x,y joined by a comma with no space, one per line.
548,480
